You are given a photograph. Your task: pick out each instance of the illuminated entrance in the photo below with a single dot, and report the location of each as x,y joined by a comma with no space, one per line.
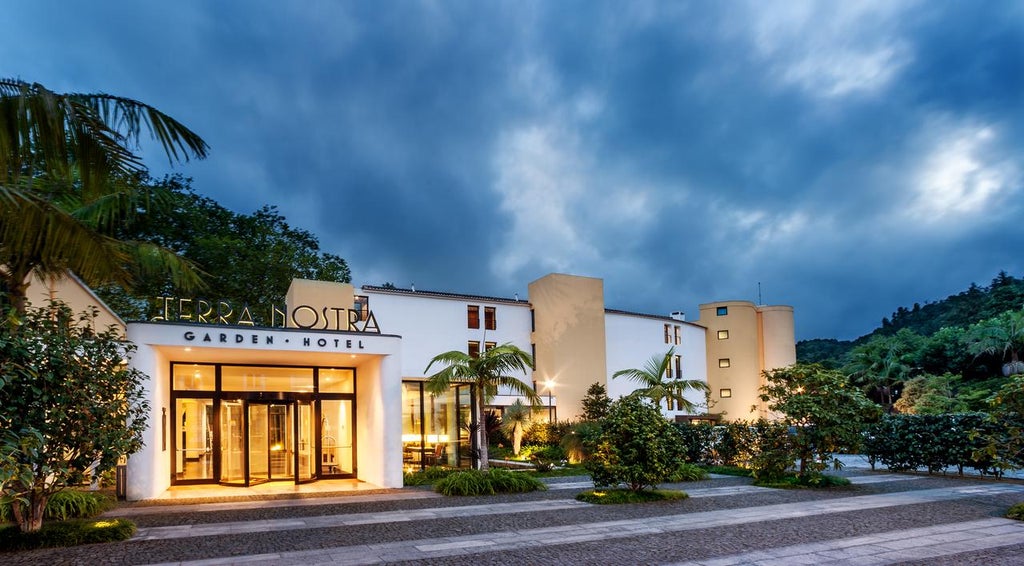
246,425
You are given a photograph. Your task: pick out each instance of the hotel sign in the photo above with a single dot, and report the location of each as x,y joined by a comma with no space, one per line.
305,317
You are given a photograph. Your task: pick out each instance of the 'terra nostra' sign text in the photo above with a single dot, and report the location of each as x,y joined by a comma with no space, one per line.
306,317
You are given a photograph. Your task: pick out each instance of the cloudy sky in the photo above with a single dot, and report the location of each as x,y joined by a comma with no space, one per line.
852,157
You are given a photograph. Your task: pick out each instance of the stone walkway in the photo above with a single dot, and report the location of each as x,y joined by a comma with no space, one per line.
883,519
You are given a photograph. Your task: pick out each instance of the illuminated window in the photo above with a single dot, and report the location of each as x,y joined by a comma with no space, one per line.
679,366
722,311
667,333
724,362
725,393
723,334
474,349
473,316
678,338
490,318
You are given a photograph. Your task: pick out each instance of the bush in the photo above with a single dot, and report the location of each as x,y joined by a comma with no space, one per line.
773,453
69,504
698,441
576,444
794,481
476,482
426,476
66,533
687,472
618,496
637,446
935,442
547,458
1016,512
728,471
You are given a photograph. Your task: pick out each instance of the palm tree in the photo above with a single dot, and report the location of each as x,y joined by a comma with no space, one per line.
1002,335
883,363
656,385
514,422
487,372
68,177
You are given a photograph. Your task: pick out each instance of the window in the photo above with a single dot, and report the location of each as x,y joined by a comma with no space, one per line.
473,316
723,334
533,356
362,306
724,362
677,337
474,349
679,366
667,333
490,318
722,311
724,393
489,345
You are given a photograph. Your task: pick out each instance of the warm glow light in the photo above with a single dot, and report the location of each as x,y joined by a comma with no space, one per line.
276,447
549,383
104,524
188,348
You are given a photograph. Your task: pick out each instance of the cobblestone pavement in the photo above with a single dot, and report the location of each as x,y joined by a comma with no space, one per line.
881,519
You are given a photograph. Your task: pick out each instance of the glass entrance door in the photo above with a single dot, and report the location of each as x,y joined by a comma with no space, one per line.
232,442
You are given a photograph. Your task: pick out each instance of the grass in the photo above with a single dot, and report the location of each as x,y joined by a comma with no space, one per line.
66,533
620,496
795,482
475,482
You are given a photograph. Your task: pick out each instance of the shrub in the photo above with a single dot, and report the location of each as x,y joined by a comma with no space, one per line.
618,496
576,443
1016,512
547,458
687,472
637,446
935,442
476,482
426,476
66,533
728,471
773,453
794,481
68,504
698,441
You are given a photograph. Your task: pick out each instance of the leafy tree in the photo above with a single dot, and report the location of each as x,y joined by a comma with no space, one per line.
826,412
637,446
1002,335
930,395
492,369
596,402
249,259
67,171
514,422
882,364
68,404
656,385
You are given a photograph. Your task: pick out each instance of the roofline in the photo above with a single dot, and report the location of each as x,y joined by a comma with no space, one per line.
444,295
654,317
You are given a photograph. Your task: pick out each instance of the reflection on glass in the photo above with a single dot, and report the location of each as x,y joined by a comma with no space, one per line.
232,465
336,437
306,460
194,447
258,471
337,380
194,377
255,378
430,429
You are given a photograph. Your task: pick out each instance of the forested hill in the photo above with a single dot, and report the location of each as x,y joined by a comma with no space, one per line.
956,311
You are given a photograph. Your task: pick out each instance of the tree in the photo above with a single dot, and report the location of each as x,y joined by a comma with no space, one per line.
930,395
67,178
1003,336
514,422
656,385
883,363
826,413
249,259
637,446
596,402
68,405
492,369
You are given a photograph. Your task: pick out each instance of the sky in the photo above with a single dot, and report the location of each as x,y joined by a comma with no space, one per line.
846,158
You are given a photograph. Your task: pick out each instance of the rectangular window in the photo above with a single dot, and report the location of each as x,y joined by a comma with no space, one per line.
722,311
474,349
473,316
255,378
490,318
679,366
489,345
724,362
723,334
724,393
194,377
533,321
677,337
667,333
337,380
362,306
533,355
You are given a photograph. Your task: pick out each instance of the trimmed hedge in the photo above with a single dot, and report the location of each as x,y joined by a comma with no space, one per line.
935,442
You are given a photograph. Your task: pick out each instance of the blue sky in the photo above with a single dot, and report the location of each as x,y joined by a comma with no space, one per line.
852,157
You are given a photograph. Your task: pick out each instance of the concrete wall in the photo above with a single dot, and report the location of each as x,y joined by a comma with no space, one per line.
73,292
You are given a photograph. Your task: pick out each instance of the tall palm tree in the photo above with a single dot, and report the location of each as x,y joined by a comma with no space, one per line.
656,385
486,372
1002,335
67,177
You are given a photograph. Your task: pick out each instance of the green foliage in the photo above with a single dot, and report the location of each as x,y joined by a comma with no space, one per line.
547,458
580,437
934,442
687,472
1001,336
68,504
620,496
248,259
698,441
514,422
547,434
637,446
66,533
826,413
654,383
774,452
427,475
882,364
792,481
930,395
1016,512
68,402
596,402
490,482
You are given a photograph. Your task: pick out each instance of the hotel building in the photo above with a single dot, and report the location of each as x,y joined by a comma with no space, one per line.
334,387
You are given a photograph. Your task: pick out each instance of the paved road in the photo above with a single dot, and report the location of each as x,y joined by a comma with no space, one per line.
882,519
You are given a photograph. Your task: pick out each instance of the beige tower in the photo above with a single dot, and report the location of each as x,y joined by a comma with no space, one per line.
568,338
743,340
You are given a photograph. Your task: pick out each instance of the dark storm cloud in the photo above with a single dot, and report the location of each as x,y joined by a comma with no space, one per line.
852,158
